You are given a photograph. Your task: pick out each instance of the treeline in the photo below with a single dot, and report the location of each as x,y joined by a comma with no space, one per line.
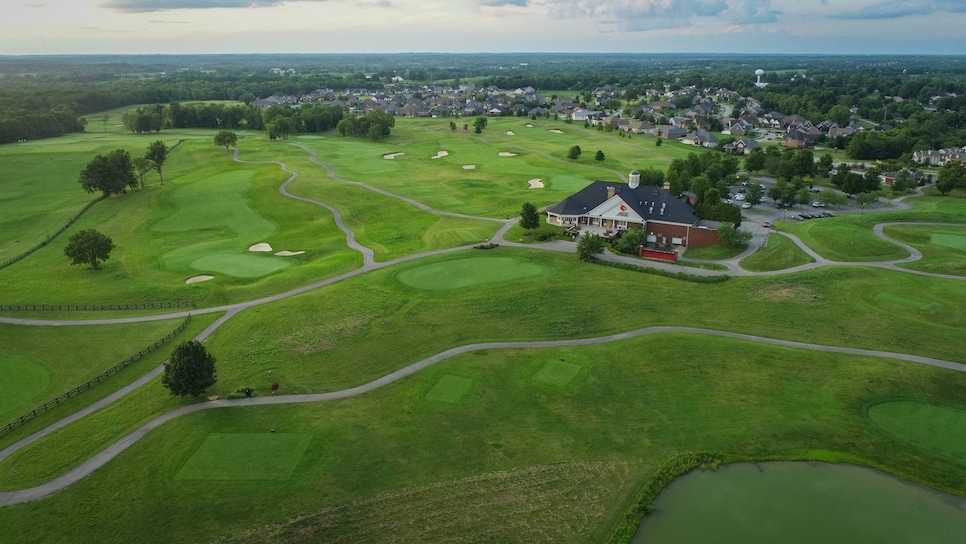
281,121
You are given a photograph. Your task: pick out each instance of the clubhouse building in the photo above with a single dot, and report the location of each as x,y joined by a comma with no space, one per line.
614,207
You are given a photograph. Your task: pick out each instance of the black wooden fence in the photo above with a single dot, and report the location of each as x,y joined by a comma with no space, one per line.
91,383
135,306
52,236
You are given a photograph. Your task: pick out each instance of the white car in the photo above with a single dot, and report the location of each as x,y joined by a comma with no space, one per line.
746,205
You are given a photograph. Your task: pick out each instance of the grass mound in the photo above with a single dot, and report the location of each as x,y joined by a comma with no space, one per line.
246,456
475,272
779,254
937,429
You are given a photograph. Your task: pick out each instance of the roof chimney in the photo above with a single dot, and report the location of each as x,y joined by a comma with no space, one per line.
635,179
610,192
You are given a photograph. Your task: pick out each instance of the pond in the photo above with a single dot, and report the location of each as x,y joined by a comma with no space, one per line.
798,502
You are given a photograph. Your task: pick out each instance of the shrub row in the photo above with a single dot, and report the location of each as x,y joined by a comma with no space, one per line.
90,383
489,245
679,465
135,306
52,236
675,275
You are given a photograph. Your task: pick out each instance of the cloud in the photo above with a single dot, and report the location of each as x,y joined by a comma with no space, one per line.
642,15
903,8
379,4
143,6
495,3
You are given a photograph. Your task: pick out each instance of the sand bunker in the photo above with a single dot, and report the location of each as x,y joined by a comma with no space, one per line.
288,253
199,279
529,125
535,183
510,133
440,154
555,131
507,154
469,167
260,247
392,156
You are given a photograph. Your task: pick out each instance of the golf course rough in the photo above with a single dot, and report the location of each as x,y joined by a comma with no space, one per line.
246,456
474,272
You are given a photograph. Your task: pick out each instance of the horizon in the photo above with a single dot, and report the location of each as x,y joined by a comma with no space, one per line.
307,27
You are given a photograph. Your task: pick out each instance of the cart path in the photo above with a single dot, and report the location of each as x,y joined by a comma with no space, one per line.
9,498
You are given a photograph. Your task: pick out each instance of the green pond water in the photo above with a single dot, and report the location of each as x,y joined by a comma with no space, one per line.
802,503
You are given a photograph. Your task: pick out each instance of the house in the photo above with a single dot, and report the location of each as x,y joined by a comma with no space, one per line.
741,146
939,157
701,138
668,132
618,206
638,127
798,138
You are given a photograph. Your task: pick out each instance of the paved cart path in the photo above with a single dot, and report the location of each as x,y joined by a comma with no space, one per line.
369,264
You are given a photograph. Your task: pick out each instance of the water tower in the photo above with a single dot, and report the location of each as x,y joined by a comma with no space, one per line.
758,83
634,180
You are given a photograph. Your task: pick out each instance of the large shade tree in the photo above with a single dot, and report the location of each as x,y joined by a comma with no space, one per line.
89,247
190,370
110,174
226,138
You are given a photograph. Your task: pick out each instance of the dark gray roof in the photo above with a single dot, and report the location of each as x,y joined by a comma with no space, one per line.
650,202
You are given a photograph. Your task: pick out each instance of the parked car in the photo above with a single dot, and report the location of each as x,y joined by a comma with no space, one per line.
818,204
766,224
746,205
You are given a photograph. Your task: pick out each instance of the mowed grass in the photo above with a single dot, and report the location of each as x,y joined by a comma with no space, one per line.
714,252
467,272
943,247
203,219
407,457
780,253
844,239
37,369
938,429
267,455
85,352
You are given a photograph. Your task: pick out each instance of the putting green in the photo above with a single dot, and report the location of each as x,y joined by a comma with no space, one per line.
936,429
449,388
472,272
953,241
557,373
241,266
904,301
246,456
25,383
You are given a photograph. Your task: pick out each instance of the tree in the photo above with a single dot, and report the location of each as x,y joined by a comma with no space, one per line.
142,165
105,117
950,176
732,236
529,219
190,370
110,174
574,153
479,124
754,194
825,164
589,247
864,199
599,156
157,154
658,142
631,241
88,247
755,160
226,138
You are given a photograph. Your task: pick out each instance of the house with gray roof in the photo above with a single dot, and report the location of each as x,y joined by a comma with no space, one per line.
619,207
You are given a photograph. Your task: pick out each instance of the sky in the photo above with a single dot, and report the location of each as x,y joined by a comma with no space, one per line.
47,27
